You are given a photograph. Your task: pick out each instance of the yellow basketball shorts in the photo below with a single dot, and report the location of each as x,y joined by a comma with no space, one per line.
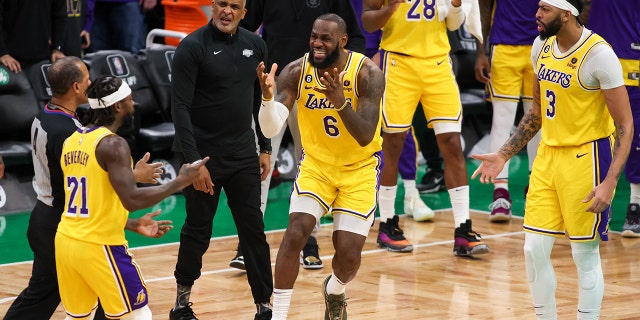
409,80
511,72
562,177
88,271
349,191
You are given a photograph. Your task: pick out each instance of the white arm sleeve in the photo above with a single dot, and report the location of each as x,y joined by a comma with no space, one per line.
455,17
602,68
272,117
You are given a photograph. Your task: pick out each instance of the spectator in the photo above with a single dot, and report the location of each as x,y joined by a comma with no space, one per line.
31,31
79,23
119,24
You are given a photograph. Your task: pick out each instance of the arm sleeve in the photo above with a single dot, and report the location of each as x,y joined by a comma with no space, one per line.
356,41
89,15
455,17
253,19
535,51
58,23
602,68
185,72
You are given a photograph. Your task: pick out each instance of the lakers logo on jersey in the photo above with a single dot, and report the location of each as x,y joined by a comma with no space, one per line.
141,298
555,76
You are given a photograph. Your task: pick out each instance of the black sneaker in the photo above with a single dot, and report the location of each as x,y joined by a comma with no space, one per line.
310,258
264,312
391,237
432,181
467,242
237,261
184,313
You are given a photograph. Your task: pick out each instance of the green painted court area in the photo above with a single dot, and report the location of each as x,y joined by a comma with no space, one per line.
15,248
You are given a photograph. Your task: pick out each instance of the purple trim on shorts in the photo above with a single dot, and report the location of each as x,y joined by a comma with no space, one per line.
603,163
407,166
129,276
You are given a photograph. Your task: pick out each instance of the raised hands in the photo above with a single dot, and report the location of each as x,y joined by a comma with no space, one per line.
267,80
333,87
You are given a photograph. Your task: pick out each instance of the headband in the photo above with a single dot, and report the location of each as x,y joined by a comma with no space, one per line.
564,5
104,102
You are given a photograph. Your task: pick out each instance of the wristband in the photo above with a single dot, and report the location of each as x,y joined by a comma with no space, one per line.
344,105
265,151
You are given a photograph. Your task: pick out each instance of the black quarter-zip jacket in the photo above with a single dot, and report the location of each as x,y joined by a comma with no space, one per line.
213,76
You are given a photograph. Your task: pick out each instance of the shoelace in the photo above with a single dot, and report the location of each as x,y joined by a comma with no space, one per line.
500,203
186,310
336,307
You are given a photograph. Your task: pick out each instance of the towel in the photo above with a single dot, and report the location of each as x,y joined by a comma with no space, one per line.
471,11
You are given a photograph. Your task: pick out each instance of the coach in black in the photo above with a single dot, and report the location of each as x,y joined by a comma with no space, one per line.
214,69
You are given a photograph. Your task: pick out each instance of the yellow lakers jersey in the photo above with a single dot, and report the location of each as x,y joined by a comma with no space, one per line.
93,210
414,30
572,112
323,134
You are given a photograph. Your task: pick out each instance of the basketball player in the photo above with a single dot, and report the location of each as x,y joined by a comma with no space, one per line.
92,257
417,68
580,102
509,76
337,93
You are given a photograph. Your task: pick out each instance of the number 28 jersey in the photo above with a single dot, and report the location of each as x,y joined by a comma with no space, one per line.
323,134
415,30
93,211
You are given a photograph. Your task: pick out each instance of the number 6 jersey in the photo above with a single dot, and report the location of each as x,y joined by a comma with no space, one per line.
93,211
333,143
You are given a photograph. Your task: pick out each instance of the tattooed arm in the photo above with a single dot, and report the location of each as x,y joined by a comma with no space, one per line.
362,122
492,163
527,128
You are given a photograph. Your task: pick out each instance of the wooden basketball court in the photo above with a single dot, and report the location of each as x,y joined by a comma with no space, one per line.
430,283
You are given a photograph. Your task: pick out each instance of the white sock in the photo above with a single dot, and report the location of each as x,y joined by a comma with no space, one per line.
635,193
504,113
409,188
459,204
503,184
281,303
335,286
386,202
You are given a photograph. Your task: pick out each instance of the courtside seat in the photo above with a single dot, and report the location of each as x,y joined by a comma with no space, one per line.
155,133
18,108
40,83
156,62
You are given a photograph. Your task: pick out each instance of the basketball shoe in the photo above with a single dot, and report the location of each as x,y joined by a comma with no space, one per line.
467,242
391,237
501,206
335,304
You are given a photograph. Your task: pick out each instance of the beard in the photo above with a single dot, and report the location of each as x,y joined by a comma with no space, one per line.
128,123
551,29
328,60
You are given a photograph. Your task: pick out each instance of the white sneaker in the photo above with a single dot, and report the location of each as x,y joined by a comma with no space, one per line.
414,206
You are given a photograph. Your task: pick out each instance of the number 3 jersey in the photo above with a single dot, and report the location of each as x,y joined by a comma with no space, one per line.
93,211
573,108
323,133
